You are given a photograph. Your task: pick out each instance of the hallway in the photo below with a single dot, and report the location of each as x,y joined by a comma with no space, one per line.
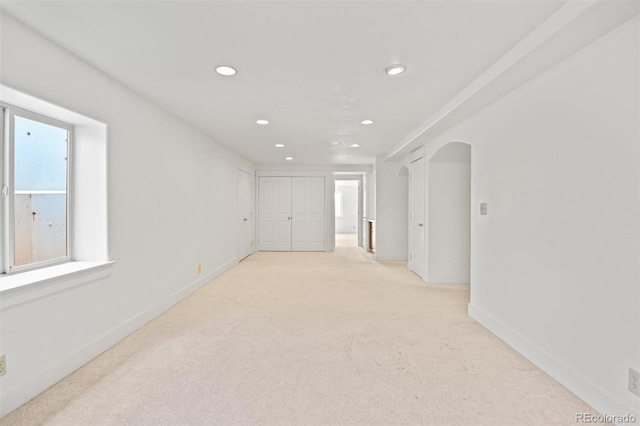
310,338
346,241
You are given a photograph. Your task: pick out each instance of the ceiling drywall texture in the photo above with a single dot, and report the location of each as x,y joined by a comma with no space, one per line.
313,69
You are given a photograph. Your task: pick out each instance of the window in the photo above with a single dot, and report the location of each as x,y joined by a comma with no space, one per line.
36,190
73,191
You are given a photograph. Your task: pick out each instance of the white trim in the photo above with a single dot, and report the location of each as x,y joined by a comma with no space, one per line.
287,173
414,156
4,187
596,397
13,97
39,192
9,220
37,283
42,380
359,177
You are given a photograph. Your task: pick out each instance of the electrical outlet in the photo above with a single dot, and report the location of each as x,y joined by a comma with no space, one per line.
634,381
3,365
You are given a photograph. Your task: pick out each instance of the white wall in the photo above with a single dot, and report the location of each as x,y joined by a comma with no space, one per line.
555,263
449,221
348,223
391,210
166,184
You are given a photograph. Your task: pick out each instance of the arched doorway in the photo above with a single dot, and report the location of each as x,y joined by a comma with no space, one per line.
449,214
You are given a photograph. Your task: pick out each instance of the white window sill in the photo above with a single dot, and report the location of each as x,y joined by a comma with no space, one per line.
26,286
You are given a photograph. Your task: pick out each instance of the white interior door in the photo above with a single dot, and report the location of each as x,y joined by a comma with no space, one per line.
275,214
308,214
416,217
361,215
246,233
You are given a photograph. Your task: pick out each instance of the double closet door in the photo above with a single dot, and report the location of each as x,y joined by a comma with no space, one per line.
292,214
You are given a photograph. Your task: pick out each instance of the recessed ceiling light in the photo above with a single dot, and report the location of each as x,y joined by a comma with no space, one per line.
288,158
365,122
226,70
262,122
355,145
395,69
279,145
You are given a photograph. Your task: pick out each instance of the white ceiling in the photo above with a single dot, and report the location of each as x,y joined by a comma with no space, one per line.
314,69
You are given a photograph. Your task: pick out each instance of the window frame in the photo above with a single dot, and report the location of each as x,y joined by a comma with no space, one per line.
7,145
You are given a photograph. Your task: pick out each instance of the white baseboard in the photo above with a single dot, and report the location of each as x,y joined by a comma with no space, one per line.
448,278
601,400
44,379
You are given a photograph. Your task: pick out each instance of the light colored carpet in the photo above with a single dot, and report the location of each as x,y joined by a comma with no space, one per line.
310,339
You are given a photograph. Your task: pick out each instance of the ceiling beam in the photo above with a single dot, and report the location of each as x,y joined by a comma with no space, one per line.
573,26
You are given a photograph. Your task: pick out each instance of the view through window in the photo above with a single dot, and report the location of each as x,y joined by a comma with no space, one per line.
37,191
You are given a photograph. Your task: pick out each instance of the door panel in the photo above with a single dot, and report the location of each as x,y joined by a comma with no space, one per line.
283,197
299,232
317,231
246,224
275,214
267,231
283,236
417,217
308,218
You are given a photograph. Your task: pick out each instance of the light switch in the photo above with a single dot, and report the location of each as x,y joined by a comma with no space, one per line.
483,209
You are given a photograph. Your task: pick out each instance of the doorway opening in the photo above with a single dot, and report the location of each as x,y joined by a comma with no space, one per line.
349,211
449,214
